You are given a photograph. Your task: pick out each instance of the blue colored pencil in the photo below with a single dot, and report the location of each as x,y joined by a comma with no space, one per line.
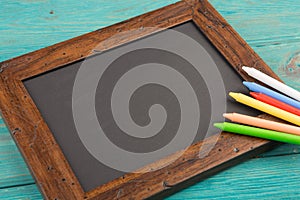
261,89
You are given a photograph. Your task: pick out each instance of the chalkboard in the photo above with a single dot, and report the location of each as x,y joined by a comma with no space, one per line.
127,111
52,93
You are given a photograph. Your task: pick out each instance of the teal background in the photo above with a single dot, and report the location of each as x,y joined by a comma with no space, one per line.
271,28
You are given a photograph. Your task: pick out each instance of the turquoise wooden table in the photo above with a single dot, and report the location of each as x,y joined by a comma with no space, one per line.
271,28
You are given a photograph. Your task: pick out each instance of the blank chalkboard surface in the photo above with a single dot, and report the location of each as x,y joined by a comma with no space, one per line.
52,93
139,96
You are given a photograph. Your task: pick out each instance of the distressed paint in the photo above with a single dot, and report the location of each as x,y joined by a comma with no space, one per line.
270,27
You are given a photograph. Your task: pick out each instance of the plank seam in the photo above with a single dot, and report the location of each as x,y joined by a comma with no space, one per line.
18,185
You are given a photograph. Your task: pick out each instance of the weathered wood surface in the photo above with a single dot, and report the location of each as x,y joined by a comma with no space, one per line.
271,28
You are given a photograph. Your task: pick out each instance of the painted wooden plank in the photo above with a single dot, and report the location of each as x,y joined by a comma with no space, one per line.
32,24
13,168
25,192
260,178
270,27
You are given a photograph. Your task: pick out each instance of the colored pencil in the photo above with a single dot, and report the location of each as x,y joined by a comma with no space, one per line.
282,114
262,123
258,132
273,102
268,80
261,89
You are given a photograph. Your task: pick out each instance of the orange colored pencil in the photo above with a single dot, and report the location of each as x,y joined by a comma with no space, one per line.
262,123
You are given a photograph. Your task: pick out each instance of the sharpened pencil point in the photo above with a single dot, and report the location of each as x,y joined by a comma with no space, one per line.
245,68
227,115
233,94
254,94
219,125
247,84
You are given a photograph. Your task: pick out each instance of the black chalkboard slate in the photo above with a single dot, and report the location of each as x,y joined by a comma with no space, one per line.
88,112
52,93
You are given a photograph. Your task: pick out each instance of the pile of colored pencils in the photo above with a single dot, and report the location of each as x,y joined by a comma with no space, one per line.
284,103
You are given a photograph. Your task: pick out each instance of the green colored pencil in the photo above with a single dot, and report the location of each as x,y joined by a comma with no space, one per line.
258,132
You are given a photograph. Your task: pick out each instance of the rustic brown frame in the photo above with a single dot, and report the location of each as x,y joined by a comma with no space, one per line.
44,157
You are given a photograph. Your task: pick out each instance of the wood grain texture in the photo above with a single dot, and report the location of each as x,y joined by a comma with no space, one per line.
45,158
26,192
275,39
13,168
260,178
236,51
273,32
50,168
50,22
276,176
271,29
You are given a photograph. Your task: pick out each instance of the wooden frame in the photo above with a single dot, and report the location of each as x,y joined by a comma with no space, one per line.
44,157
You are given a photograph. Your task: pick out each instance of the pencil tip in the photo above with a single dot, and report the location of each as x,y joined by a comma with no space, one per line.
246,83
219,125
247,69
233,94
227,115
254,94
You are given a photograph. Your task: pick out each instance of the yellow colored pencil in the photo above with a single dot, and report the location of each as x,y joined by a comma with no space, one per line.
244,99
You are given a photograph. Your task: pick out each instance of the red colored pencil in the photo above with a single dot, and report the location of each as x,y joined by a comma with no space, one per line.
274,102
